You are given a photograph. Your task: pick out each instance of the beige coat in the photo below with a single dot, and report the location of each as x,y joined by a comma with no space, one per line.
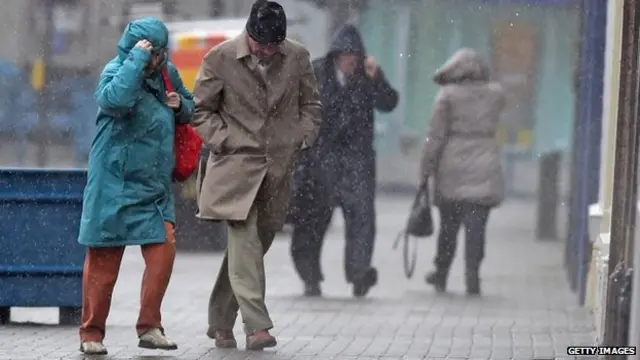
461,152
254,127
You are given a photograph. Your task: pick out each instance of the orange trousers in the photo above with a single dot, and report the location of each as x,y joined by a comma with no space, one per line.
101,268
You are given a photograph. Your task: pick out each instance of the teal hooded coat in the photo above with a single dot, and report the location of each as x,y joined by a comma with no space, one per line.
128,194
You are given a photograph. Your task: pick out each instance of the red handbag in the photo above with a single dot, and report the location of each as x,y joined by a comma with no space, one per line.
187,143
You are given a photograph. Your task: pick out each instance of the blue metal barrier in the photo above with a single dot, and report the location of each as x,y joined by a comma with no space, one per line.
40,258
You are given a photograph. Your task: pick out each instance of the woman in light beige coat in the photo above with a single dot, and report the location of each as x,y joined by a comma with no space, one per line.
463,158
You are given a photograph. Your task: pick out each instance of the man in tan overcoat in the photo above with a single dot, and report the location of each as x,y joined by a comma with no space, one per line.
256,107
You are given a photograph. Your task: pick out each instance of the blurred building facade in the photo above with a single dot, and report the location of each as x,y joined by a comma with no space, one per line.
531,45
75,38
84,33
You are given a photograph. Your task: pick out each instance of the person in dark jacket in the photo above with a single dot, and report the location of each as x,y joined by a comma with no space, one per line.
339,170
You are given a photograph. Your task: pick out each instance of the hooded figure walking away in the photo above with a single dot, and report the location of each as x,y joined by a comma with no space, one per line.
257,106
340,169
128,199
462,155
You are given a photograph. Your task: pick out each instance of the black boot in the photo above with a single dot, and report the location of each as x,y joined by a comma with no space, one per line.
364,281
473,283
312,290
438,279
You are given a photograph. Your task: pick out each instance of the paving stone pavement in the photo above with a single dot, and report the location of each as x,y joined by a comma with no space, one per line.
527,310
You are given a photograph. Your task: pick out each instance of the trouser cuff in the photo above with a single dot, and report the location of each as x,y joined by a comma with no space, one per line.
252,328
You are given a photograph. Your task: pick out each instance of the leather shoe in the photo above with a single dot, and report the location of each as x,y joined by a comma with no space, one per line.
260,340
224,339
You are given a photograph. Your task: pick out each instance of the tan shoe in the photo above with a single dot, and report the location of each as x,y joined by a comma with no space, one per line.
155,339
224,339
260,340
93,348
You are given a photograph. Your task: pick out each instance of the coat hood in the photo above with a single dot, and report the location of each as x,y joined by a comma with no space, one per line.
347,40
465,65
147,28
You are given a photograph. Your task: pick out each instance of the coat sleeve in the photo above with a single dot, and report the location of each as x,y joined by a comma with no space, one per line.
184,113
385,97
309,100
207,95
120,82
436,137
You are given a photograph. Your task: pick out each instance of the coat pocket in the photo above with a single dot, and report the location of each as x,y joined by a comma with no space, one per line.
144,158
115,160
219,140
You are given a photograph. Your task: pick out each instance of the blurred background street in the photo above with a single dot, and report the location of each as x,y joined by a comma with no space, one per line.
409,39
544,279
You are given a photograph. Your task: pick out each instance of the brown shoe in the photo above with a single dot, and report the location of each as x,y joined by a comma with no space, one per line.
224,339
260,340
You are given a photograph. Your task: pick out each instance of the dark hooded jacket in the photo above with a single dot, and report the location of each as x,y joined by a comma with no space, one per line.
348,125
342,160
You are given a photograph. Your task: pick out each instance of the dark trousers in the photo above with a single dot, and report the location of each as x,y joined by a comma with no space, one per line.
350,187
474,217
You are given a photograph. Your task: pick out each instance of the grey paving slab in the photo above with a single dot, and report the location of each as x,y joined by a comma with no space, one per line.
527,310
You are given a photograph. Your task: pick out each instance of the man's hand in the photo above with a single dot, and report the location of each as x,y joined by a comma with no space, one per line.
371,67
173,100
144,45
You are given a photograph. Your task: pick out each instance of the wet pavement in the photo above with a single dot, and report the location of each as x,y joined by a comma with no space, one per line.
527,310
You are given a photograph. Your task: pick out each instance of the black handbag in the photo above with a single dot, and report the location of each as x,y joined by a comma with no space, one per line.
420,222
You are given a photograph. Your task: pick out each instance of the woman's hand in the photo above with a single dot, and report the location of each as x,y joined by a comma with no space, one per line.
144,45
173,100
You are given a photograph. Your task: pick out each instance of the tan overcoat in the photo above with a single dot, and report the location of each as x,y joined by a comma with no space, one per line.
254,126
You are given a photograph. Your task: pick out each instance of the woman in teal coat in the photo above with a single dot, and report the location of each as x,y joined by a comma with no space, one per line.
128,198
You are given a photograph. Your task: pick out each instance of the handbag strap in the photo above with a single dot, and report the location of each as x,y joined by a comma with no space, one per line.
166,79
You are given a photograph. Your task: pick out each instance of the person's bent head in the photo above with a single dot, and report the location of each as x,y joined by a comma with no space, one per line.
152,30
348,62
266,27
347,50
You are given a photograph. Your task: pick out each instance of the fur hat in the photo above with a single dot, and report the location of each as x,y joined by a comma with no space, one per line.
267,23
